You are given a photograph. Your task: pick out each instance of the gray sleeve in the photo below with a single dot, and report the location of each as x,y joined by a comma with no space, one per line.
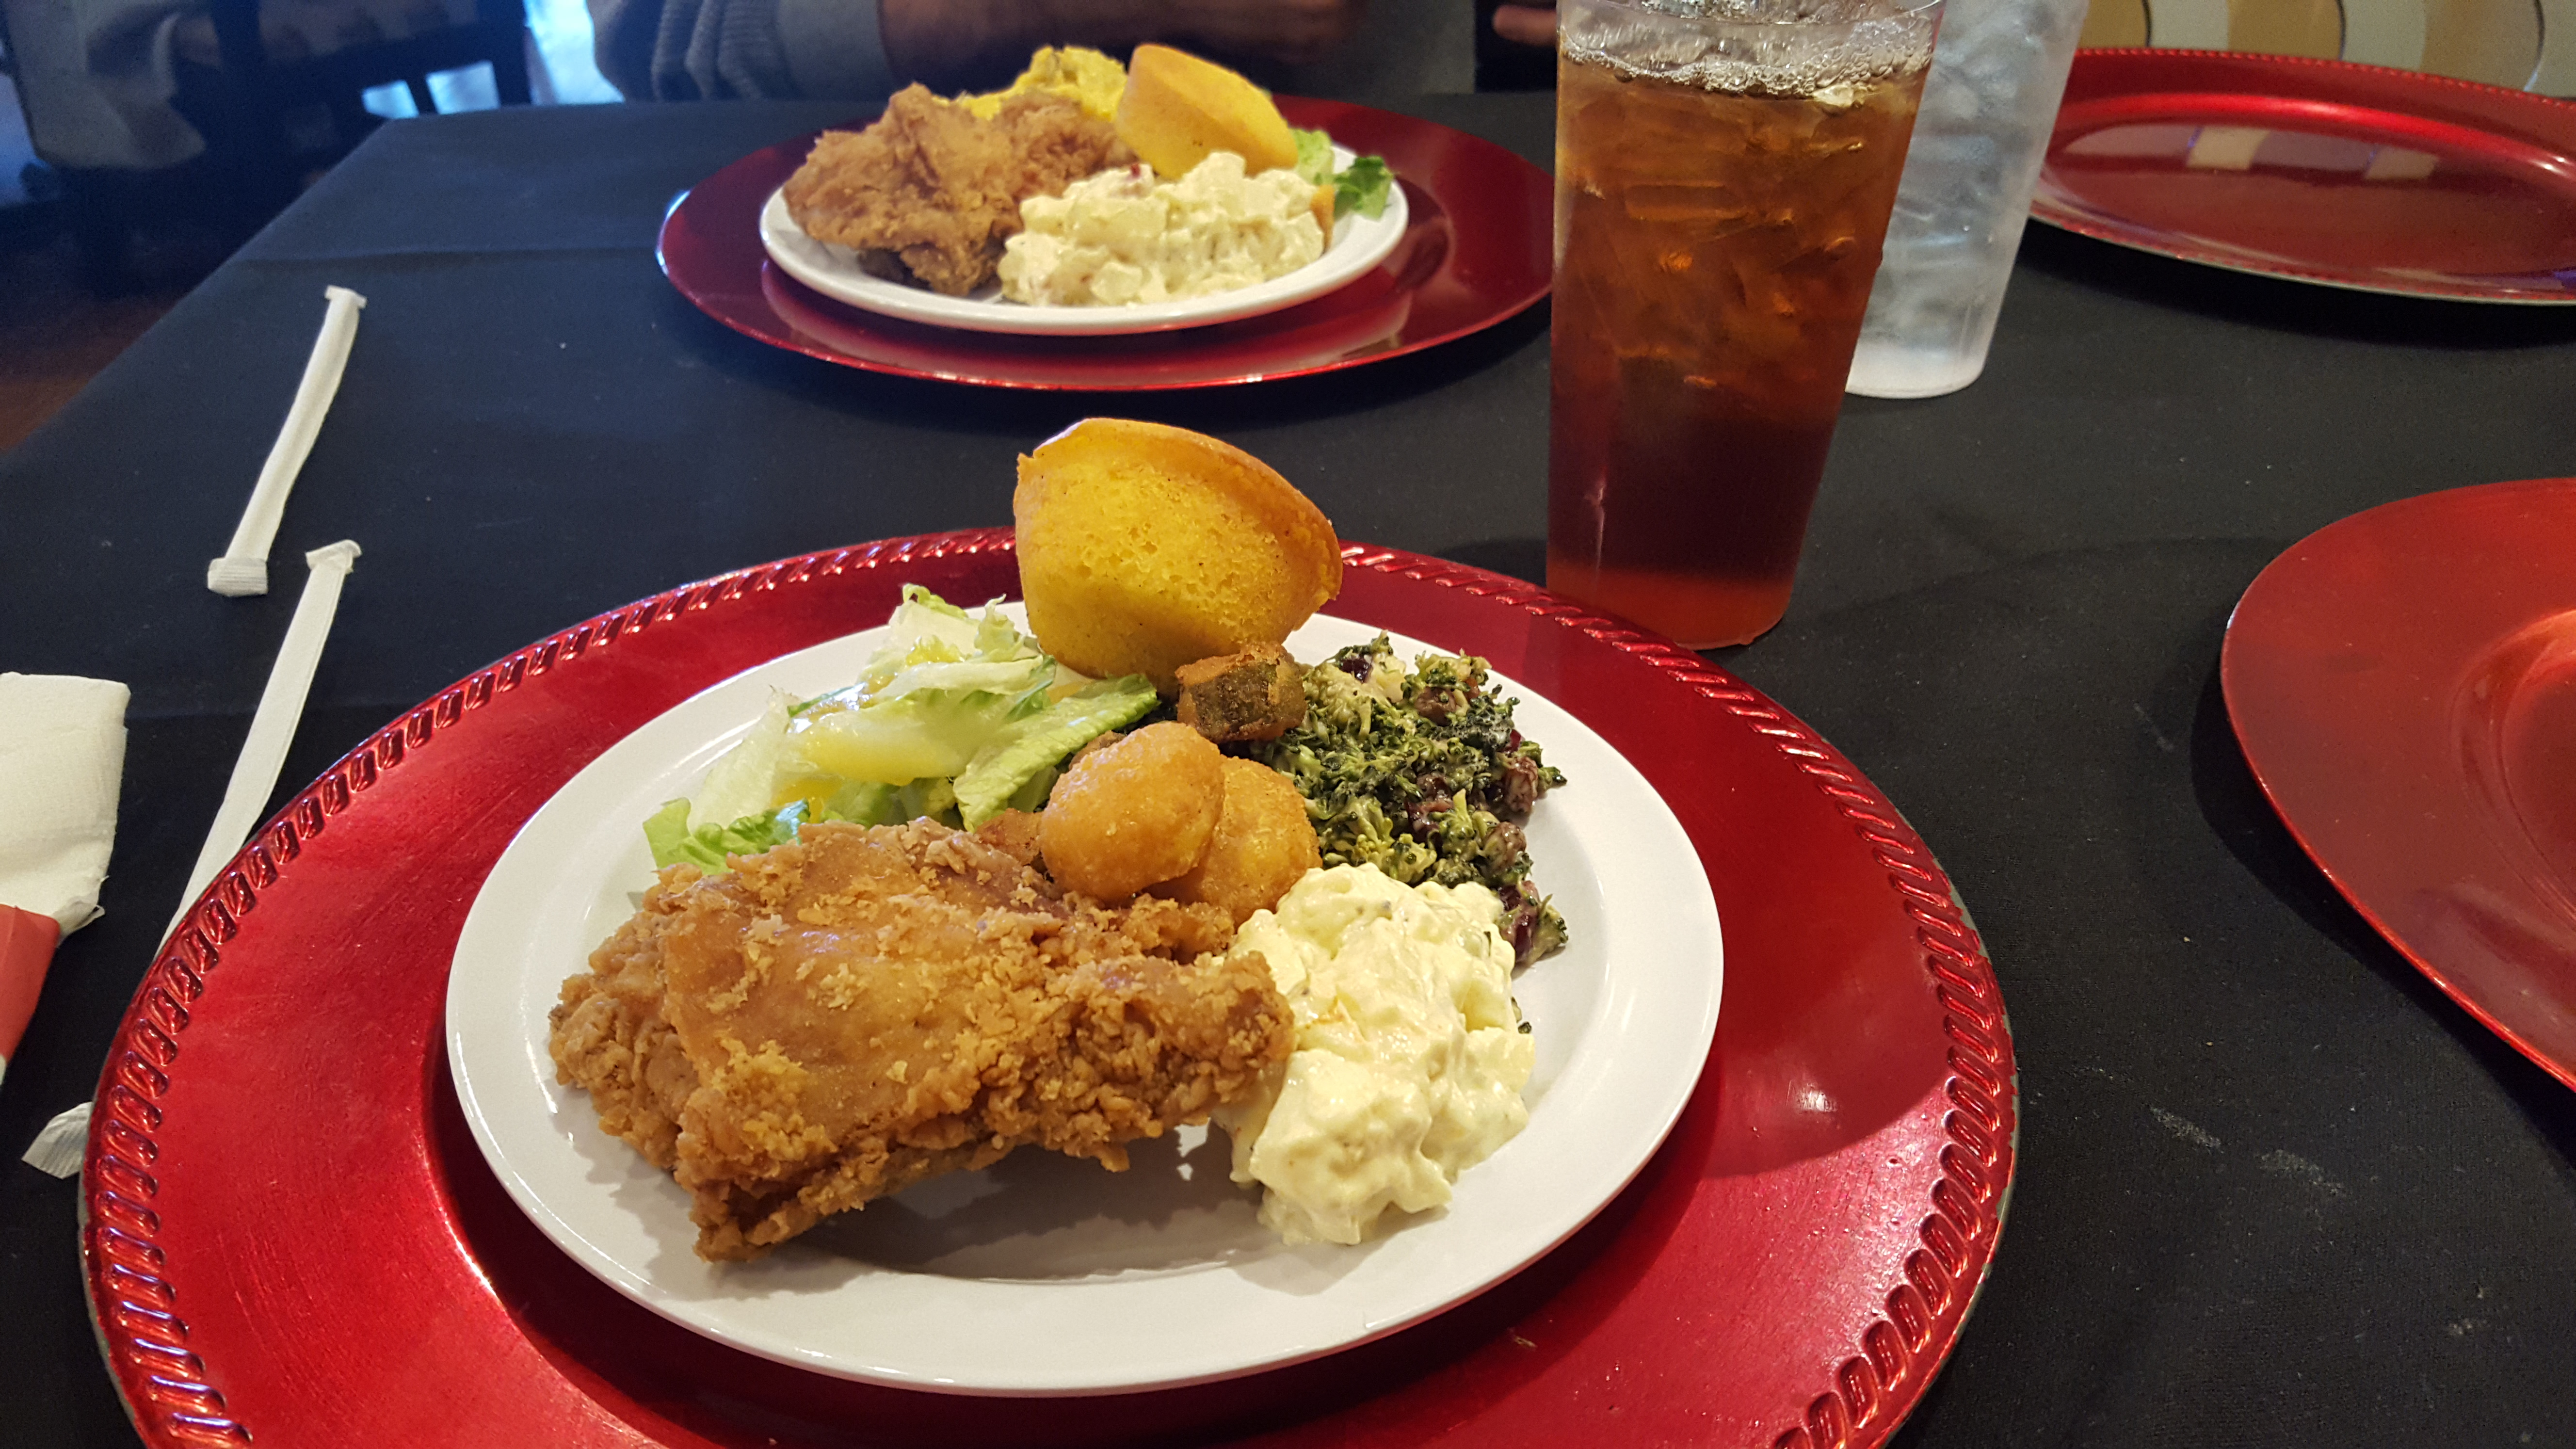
95,79
835,49
752,49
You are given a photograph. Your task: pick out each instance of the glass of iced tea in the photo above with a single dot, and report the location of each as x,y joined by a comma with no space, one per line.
1724,174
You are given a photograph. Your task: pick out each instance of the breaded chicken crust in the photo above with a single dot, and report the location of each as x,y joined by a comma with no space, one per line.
864,1008
929,192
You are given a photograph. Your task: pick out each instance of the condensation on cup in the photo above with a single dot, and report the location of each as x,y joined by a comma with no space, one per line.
1724,172
1988,108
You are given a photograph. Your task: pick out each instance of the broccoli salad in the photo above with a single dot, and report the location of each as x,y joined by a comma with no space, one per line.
1420,773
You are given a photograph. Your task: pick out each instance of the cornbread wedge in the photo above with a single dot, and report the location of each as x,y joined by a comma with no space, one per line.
1144,548
1177,108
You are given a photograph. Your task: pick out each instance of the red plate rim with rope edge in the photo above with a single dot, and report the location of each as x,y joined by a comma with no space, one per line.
278,1158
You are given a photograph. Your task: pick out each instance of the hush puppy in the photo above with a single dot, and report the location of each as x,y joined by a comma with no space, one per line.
1264,843
1135,814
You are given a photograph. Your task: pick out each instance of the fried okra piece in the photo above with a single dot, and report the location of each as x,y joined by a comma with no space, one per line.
1258,694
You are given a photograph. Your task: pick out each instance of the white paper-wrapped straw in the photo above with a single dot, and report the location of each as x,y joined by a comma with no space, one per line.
243,569
272,726
58,1147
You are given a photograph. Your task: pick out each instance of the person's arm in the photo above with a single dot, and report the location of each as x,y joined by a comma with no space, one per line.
950,43
685,50
1527,24
861,50
836,49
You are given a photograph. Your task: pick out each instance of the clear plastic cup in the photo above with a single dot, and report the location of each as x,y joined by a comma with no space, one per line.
1724,170
1987,112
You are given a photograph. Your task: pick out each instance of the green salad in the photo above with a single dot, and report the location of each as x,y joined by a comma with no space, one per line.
957,716
1361,186
1421,773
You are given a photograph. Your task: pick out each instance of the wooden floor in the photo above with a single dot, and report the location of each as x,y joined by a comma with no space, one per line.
55,335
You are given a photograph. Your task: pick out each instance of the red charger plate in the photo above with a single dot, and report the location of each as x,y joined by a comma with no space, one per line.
2404,685
2319,170
1476,252
290,1234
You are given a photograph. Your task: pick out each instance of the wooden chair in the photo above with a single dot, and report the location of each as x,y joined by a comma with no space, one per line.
2518,44
275,87
283,80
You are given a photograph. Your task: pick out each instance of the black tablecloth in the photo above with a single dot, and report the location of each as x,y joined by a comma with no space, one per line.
2274,1188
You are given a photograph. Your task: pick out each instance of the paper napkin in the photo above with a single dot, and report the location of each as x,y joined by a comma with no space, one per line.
62,762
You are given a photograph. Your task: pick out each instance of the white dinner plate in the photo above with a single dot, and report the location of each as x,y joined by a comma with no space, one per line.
1358,244
1045,1274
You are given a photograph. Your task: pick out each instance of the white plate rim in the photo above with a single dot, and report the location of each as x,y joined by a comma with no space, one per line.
1635,1057
1358,244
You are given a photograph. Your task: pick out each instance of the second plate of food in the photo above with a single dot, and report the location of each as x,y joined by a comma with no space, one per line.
1044,1274
1357,244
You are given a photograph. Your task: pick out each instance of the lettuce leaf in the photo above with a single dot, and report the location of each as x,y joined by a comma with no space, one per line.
1001,772
740,782
924,617
940,688
1314,156
901,741
667,831
1361,186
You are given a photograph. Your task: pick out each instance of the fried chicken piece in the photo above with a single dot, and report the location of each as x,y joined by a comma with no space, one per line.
868,1007
609,1036
1258,694
929,192
1014,833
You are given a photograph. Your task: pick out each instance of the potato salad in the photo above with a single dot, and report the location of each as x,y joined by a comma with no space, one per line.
1410,1052
1123,237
